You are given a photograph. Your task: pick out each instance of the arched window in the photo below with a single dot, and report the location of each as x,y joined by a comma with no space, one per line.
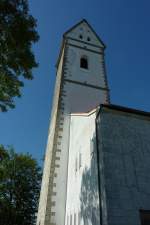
84,62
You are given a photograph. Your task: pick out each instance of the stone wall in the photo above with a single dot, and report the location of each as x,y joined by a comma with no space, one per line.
124,165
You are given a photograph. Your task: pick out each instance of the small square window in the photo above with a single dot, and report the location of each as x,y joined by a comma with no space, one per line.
145,217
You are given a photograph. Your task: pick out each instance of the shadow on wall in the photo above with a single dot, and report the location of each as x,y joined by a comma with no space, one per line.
89,195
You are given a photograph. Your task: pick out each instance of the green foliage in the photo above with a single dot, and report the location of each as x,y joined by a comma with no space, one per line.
20,178
17,33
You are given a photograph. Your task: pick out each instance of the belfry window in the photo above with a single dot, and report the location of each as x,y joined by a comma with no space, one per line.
84,62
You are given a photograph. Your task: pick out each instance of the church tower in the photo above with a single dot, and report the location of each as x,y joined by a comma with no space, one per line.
81,85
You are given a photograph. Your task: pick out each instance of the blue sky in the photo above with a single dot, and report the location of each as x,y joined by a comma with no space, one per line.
123,25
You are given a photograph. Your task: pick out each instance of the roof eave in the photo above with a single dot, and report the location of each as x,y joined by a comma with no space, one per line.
123,109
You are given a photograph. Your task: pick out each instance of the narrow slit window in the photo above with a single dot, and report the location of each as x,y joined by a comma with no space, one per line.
78,218
80,160
76,165
67,220
75,219
70,219
84,63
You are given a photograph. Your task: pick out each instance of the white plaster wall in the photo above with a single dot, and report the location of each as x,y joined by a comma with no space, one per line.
82,186
89,46
75,98
95,73
84,30
61,179
83,98
41,216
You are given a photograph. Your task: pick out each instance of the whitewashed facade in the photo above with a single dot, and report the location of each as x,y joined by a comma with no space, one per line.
97,161
82,205
81,85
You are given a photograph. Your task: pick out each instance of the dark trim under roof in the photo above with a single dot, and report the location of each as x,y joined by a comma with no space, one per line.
123,109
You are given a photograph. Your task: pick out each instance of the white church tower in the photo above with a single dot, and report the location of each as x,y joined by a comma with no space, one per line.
70,161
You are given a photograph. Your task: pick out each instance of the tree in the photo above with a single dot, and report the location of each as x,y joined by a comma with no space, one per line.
20,178
17,33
